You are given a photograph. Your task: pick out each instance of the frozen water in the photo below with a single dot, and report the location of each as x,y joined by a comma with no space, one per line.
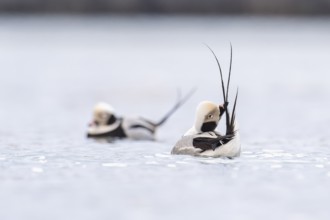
54,69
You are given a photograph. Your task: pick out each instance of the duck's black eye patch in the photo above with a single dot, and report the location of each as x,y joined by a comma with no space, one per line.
208,126
111,120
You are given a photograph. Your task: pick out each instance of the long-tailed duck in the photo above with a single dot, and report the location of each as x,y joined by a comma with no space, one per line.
106,123
202,139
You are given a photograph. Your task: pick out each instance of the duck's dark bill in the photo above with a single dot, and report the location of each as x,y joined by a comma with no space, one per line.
209,126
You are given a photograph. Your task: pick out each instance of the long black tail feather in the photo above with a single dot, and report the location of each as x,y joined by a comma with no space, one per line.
233,116
230,121
229,75
220,70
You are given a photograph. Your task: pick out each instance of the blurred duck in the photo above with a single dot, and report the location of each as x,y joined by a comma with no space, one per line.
202,139
107,124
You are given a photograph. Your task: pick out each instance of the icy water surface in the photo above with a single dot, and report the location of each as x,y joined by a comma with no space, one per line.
54,69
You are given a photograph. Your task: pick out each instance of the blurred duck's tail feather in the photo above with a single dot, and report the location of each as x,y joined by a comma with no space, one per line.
177,105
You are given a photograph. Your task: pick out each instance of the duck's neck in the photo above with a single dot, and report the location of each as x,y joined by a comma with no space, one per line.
192,131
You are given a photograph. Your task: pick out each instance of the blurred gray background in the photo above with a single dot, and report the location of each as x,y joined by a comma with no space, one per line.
310,7
58,58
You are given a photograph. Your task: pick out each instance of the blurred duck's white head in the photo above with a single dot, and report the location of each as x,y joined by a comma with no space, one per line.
103,114
207,117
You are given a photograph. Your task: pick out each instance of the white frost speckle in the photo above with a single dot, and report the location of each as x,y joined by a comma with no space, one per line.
276,166
163,155
37,170
151,162
114,164
181,162
171,165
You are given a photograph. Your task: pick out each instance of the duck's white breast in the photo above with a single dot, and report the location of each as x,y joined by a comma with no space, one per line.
97,130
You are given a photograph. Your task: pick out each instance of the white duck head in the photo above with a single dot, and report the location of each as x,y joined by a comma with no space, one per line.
207,117
103,114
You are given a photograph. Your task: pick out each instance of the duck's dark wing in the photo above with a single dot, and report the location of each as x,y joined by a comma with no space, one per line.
211,142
